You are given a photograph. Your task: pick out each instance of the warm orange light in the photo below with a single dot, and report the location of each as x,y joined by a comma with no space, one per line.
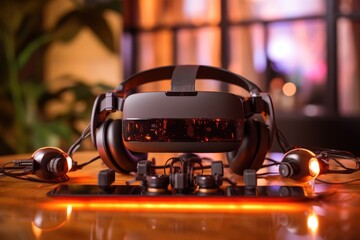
312,223
37,231
314,167
68,211
289,89
175,206
40,225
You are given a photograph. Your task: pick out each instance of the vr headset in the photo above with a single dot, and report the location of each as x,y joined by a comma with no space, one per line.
183,119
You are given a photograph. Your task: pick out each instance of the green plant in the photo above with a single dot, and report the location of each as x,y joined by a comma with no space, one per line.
23,98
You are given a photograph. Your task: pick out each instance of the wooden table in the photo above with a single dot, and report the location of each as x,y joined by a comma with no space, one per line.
26,212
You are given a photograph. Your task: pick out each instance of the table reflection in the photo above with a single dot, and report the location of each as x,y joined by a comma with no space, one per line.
54,223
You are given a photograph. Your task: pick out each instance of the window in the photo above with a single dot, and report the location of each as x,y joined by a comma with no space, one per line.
304,52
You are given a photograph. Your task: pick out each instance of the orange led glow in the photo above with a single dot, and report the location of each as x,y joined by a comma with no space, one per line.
312,223
314,167
175,206
289,89
68,211
37,231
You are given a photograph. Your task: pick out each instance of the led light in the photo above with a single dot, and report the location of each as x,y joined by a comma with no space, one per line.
312,223
314,167
36,230
68,211
289,89
176,206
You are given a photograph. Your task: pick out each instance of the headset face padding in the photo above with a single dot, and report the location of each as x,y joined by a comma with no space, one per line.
112,150
253,148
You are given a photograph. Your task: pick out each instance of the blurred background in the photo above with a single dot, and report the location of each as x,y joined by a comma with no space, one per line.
57,55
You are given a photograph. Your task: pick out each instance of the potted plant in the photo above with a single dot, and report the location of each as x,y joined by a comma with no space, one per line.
24,97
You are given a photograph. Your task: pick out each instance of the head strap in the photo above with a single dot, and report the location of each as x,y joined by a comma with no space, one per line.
179,75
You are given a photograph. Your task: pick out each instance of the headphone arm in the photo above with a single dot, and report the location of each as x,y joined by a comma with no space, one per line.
104,104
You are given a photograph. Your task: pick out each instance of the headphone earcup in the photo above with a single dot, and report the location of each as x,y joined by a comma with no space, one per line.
112,149
253,149
51,163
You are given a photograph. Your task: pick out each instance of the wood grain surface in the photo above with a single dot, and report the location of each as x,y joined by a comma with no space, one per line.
26,212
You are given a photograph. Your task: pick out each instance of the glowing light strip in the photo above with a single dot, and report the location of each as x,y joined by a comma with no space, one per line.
175,206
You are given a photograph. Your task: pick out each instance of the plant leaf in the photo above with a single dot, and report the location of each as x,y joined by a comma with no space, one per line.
68,26
100,27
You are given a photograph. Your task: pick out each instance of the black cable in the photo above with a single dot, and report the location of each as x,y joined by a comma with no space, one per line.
344,182
272,160
282,141
9,171
27,171
171,160
12,168
202,167
84,135
161,166
4,168
64,178
344,170
332,154
273,163
174,160
269,165
268,174
80,166
76,145
327,155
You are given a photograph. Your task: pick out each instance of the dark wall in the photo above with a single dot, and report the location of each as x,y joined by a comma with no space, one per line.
330,132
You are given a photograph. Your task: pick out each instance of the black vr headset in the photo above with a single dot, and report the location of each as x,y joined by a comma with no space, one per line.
183,119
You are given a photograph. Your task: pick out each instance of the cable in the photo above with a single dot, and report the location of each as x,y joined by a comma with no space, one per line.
265,174
281,139
12,168
12,171
345,182
26,171
80,166
326,155
273,163
272,160
75,146
269,165
64,178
